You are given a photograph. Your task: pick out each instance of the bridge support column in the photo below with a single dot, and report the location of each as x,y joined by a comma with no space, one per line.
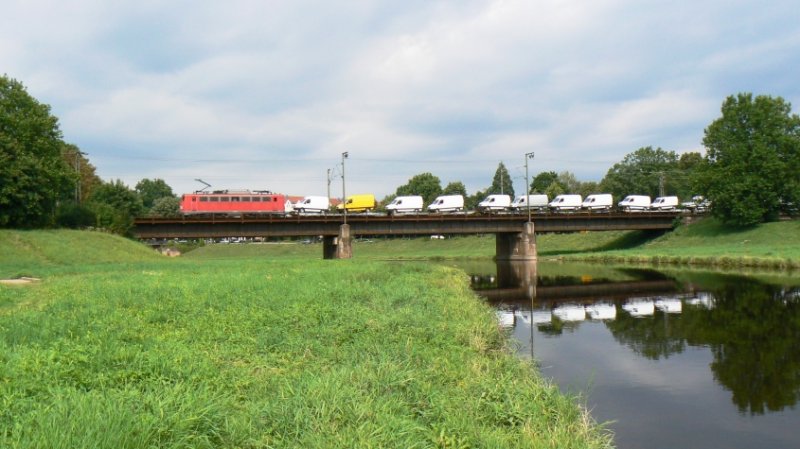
517,246
340,247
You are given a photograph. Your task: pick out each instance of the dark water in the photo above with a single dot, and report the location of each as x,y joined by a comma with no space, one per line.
679,360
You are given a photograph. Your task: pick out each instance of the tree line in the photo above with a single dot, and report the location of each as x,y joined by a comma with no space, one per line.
750,172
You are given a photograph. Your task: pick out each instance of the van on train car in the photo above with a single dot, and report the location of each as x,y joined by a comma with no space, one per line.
598,202
405,204
447,203
633,203
494,203
312,204
565,203
358,203
537,202
665,203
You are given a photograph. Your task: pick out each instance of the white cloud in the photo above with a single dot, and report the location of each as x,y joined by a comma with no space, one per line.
581,83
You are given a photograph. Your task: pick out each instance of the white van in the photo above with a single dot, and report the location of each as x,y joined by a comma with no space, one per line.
537,202
405,205
447,203
666,203
635,203
494,203
598,202
312,204
566,202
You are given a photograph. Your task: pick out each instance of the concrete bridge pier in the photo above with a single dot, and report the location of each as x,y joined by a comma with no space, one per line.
519,274
339,247
517,246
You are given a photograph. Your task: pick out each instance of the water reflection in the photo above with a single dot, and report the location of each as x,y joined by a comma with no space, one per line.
747,330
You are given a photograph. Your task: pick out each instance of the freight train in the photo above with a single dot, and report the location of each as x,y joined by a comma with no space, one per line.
261,202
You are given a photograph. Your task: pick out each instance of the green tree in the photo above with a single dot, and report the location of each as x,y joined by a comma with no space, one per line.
684,179
554,189
570,182
424,184
643,172
87,178
166,206
115,206
543,180
587,188
151,190
455,188
33,174
752,159
501,183
471,201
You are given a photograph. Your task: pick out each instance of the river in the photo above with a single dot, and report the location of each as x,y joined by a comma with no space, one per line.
666,359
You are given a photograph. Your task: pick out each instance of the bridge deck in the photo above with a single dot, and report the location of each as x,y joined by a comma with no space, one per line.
373,224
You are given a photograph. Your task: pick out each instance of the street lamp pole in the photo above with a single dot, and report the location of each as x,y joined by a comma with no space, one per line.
528,185
78,155
329,186
344,194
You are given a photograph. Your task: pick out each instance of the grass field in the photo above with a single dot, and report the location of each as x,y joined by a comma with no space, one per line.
707,242
457,247
118,347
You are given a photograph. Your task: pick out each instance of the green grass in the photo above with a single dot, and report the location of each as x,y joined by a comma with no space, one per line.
424,248
708,242
40,253
142,351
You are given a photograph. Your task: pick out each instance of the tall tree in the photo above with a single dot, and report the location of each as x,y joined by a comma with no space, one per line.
167,206
684,178
752,159
151,190
569,181
424,184
645,172
115,206
455,188
501,183
33,174
543,180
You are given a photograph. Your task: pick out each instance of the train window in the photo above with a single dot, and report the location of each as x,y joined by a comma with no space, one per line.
225,199
203,199
235,199
253,198
214,199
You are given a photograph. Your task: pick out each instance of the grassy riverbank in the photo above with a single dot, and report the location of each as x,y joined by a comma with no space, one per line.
709,243
117,347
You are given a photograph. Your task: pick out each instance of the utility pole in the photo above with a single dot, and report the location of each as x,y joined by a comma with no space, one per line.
78,154
344,194
329,186
528,187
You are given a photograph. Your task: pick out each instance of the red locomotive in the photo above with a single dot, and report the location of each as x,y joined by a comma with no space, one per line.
235,202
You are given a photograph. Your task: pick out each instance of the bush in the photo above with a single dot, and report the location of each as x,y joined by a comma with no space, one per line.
74,216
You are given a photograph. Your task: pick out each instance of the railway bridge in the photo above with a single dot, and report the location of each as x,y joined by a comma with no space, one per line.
516,236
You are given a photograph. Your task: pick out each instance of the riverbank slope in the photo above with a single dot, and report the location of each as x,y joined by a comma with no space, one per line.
139,351
710,243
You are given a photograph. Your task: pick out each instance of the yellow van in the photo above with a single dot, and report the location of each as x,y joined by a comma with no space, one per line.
359,203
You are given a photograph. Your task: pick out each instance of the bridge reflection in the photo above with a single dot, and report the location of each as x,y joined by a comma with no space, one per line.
516,283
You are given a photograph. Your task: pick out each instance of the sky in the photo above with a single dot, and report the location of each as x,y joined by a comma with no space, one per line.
268,95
